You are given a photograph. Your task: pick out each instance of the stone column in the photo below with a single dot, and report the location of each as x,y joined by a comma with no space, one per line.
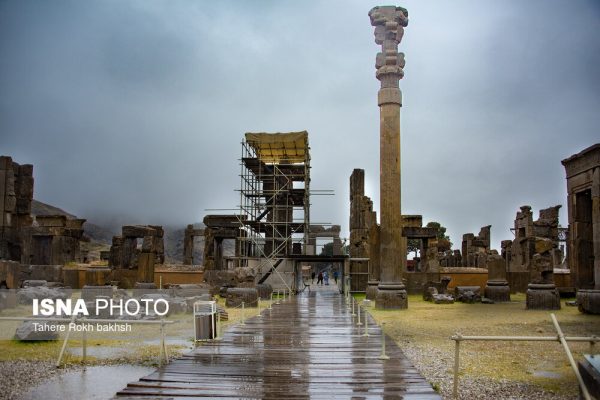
596,225
188,245
389,23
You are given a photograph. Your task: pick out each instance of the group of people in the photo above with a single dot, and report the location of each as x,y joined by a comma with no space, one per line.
324,277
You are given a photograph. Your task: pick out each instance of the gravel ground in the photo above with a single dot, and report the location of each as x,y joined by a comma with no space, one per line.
18,376
438,369
490,370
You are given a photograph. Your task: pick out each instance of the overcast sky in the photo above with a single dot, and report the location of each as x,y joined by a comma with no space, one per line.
135,110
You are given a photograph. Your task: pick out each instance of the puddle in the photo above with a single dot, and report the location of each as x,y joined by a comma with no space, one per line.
94,383
547,374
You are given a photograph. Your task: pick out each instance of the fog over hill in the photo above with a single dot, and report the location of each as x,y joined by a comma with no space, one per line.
102,231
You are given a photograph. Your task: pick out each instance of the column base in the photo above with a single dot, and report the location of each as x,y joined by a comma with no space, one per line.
371,292
588,301
391,296
498,291
542,296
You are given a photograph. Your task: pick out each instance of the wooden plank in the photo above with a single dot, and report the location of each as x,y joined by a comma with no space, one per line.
307,347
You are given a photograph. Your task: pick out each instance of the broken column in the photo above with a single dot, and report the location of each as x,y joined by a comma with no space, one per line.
389,23
497,288
362,220
583,241
541,292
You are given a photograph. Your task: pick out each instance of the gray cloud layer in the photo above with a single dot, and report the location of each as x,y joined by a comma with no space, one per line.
135,110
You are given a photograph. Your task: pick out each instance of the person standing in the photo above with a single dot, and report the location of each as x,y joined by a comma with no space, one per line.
335,276
320,278
312,276
326,278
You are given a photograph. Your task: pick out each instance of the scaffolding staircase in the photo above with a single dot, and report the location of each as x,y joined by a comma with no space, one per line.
274,200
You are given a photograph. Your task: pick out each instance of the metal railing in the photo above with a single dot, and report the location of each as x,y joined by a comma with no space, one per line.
164,355
560,337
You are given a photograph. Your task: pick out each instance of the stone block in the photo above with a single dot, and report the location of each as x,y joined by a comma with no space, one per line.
10,203
5,162
50,273
71,278
371,291
90,293
27,332
496,267
394,298
588,301
146,267
443,299
95,276
137,231
497,291
264,291
467,294
143,288
429,292
188,290
542,297
26,295
543,245
235,297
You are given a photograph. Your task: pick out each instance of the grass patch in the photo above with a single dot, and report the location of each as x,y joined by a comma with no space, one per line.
427,328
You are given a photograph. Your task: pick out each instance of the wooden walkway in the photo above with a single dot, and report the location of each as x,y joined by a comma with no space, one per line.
305,348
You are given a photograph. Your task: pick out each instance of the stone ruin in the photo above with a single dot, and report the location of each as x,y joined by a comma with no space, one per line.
533,237
474,253
475,249
583,240
53,240
219,228
497,288
42,245
135,252
412,228
364,238
188,243
535,250
16,194
437,292
320,231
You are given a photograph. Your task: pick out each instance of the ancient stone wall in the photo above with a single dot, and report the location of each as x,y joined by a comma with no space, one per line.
53,240
188,243
362,220
16,194
138,246
533,237
475,249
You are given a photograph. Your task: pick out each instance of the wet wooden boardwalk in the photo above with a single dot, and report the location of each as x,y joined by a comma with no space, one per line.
308,347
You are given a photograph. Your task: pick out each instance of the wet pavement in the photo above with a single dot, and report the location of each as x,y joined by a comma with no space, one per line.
308,347
91,383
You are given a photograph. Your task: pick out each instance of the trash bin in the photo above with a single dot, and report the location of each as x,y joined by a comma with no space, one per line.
205,320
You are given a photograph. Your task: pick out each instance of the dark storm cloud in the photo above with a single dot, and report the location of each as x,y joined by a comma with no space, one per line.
133,111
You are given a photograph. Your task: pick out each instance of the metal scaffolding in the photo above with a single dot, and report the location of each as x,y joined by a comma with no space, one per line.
274,197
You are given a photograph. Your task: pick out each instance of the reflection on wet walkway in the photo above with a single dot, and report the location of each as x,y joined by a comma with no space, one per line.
307,347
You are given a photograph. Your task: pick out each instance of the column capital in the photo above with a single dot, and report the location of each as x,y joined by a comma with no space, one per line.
389,23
